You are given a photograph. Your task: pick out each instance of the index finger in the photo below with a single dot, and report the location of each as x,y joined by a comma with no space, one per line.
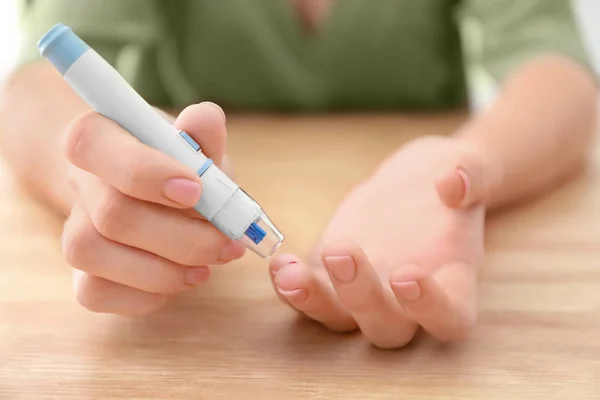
101,147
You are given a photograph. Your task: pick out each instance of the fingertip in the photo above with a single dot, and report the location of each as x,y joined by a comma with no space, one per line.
191,113
232,250
218,109
300,287
405,283
292,281
99,295
290,277
281,260
197,275
409,291
275,266
205,122
158,301
293,296
149,307
205,109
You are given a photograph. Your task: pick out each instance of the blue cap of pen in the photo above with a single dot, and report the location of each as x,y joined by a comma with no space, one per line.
62,47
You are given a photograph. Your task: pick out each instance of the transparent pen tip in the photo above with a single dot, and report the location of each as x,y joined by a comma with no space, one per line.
262,236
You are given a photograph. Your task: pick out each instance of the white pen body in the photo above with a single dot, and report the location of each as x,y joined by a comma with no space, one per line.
107,92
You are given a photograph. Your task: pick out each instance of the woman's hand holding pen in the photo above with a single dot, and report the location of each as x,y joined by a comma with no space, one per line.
132,237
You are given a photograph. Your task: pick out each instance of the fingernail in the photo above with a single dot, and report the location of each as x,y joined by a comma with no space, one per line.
466,181
196,276
232,251
294,295
343,268
183,191
218,108
409,291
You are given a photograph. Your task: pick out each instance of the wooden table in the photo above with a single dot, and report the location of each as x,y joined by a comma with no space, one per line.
539,327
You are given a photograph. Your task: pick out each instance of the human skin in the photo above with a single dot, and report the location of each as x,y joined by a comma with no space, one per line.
404,248
372,270
127,218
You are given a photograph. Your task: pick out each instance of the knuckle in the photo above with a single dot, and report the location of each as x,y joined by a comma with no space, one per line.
77,134
135,173
112,214
78,241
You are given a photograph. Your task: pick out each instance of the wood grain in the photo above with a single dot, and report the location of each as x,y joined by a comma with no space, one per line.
538,335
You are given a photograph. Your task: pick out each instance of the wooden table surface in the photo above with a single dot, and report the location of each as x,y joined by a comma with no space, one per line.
539,326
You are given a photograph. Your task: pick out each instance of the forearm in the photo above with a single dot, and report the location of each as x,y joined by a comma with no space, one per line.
538,132
36,106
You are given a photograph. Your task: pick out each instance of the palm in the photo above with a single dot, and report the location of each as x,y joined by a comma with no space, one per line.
402,231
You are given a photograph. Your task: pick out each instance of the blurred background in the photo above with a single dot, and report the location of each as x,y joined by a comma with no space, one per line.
588,13
8,29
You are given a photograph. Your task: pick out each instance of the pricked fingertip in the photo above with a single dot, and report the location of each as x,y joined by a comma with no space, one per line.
289,277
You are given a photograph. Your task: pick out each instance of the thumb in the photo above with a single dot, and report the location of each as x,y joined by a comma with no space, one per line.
205,123
467,182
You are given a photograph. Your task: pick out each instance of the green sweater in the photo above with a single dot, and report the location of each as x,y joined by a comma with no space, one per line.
255,55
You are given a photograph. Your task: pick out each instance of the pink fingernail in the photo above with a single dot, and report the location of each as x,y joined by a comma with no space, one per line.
409,291
195,276
294,295
183,191
343,268
232,251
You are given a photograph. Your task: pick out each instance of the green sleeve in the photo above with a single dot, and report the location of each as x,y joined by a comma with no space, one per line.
125,32
500,35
